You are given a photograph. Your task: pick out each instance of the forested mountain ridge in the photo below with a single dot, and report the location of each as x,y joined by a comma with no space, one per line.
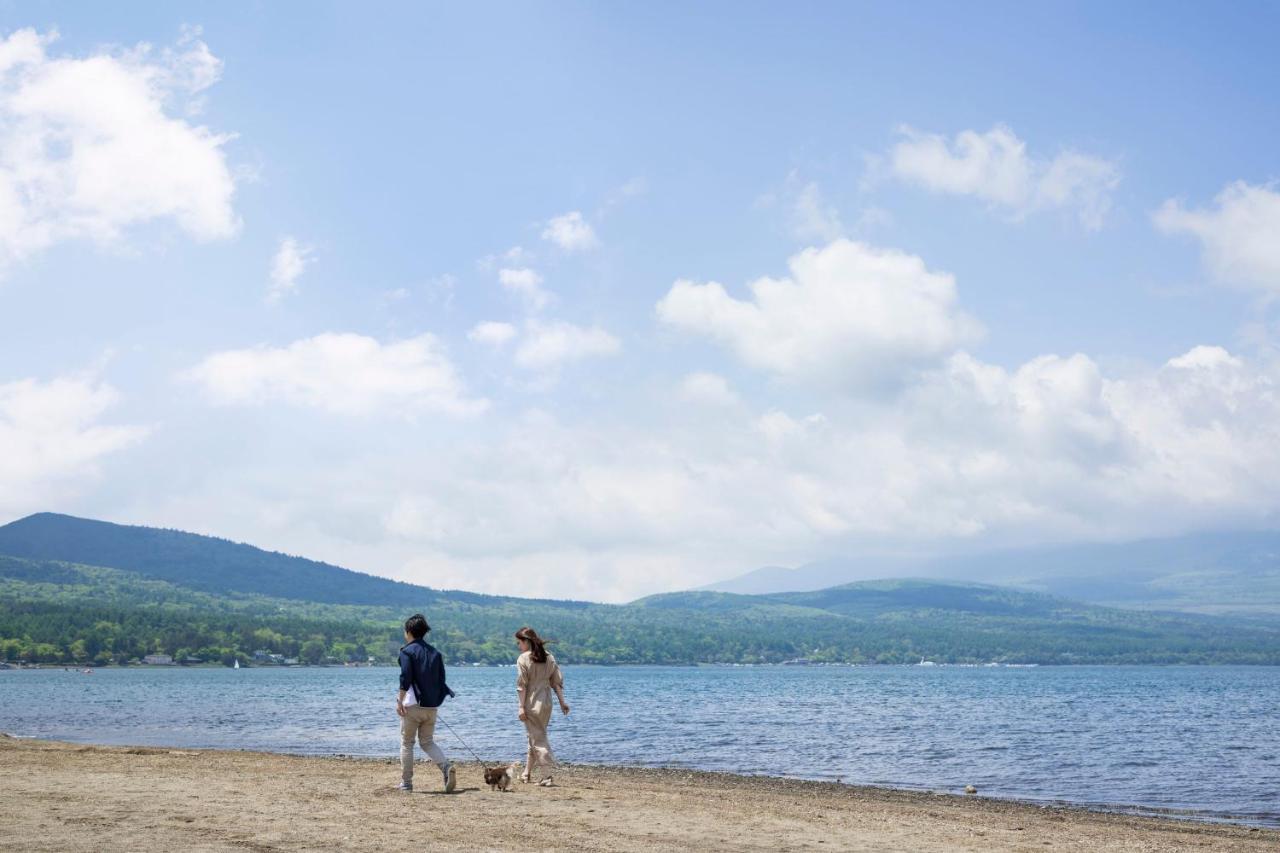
1218,572
210,564
57,610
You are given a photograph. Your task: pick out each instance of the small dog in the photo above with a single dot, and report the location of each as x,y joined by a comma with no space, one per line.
500,778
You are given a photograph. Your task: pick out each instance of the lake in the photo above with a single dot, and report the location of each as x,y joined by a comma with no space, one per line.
1196,742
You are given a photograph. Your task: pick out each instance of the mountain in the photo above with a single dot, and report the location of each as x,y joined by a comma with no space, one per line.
206,563
820,575
1222,572
91,592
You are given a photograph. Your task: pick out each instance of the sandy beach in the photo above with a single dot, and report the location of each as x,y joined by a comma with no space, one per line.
60,796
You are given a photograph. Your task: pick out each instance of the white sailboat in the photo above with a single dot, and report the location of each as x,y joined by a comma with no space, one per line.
236,665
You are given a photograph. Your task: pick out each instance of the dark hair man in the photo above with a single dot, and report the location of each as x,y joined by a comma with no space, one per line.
422,691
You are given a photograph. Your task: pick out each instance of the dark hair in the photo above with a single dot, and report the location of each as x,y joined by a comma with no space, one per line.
417,626
537,645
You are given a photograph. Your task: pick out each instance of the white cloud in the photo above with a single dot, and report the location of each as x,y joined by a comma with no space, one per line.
995,167
704,387
653,493
51,438
514,255
848,314
659,490
288,264
89,147
547,346
1052,449
526,284
492,333
341,373
570,232
813,219
776,425
1240,237
191,68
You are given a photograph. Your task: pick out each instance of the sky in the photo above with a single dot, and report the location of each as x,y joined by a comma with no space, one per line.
602,300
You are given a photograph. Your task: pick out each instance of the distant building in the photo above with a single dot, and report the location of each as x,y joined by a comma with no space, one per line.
158,660
262,655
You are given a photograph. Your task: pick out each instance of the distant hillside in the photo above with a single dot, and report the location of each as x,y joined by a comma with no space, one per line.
1226,572
206,563
185,595
872,599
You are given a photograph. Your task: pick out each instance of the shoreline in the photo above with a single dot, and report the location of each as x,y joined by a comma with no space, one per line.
1162,813
9,666
60,796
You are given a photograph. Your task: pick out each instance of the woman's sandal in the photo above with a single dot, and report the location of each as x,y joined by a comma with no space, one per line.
546,782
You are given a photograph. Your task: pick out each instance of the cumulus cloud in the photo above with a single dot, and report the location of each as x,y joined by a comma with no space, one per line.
346,374
658,494
90,145
1053,448
704,387
492,333
660,490
570,232
995,167
547,346
527,285
1240,236
287,266
848,314
51,438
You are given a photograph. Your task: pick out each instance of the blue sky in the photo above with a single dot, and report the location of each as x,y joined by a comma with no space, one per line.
1024,264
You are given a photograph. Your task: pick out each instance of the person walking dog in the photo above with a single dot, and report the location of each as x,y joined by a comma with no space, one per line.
422,691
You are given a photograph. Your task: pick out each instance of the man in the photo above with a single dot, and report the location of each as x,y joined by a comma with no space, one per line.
422,690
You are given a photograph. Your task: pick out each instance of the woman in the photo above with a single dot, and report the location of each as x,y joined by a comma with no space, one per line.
536,676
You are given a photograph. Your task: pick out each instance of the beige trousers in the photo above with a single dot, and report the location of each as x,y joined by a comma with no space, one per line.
537,716
418,723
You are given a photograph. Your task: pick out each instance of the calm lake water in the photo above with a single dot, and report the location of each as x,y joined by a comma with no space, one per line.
1199,742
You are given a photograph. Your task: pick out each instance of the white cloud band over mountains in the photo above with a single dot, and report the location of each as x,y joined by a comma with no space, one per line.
675,485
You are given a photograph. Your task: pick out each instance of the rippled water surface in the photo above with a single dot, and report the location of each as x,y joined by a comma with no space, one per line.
1193,741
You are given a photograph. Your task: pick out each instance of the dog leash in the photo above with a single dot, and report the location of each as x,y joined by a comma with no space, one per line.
460,740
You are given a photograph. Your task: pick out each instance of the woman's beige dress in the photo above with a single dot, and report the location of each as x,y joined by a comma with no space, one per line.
538,679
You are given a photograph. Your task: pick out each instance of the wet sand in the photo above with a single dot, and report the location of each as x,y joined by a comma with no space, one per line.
60,797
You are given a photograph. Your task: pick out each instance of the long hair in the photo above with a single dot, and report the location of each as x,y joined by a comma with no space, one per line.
537,645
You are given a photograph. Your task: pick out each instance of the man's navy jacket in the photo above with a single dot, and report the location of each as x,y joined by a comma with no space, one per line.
422,667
